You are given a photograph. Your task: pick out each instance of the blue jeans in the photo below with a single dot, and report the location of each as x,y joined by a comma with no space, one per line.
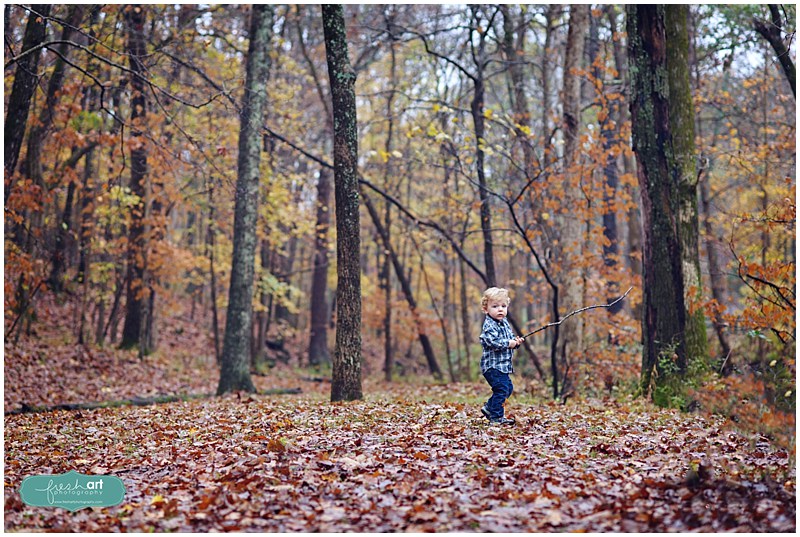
501,390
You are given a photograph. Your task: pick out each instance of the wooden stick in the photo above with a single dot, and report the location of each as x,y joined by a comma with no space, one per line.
570,314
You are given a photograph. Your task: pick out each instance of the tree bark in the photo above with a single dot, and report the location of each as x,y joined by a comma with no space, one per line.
136,288
385,276
235,360
346,378
36,139
571,277
479,124
19,102
318,351
664,322
74,16
550,16
633,234
681,119
771,31
513,50
424,340
318,348
212,273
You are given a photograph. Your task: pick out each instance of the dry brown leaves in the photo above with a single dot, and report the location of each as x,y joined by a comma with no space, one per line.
406,460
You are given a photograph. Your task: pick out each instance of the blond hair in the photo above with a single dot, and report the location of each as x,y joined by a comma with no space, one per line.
494,293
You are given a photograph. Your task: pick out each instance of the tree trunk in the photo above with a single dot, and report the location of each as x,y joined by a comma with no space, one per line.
136,289
385,276
210,235
62,232
663,325
771,31
514,52
19,102
427,348
681,122
346,379
35,140
609,128
318,348
715,273
479,124
74,16
571,280
86,220
320,311
235,360
633,232
467,336
551,14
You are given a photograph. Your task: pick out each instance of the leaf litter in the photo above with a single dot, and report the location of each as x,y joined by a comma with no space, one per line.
405,459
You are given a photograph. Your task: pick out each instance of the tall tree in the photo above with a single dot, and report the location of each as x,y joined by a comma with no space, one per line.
712,241
25,79
478,42
346,379
405,285
37,136
385,276
318,352
235,359
318,345
136,300
681,119
772,31
572,277
664,322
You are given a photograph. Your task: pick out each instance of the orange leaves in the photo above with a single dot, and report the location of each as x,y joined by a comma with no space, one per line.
402,464
275,445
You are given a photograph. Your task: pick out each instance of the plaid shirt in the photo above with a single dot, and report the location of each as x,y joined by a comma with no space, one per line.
494,337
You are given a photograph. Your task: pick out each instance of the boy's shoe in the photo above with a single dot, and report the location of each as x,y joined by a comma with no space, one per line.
485,413
508,422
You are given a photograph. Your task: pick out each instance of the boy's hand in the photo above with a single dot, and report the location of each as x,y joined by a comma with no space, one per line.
516,342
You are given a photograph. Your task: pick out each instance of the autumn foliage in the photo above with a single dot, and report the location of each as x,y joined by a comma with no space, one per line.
433,161
405,459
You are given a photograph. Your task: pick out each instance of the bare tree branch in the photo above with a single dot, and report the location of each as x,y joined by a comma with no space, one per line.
570,314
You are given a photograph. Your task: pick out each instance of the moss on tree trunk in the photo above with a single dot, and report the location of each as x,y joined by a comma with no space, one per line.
235,360
346,375
664,319
684,167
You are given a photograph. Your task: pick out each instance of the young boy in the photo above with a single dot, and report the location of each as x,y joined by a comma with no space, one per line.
498,342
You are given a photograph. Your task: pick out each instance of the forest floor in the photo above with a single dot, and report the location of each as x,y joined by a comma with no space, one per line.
407,458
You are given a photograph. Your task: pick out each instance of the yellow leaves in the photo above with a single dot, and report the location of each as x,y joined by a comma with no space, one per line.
748,83
483,146
414,131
